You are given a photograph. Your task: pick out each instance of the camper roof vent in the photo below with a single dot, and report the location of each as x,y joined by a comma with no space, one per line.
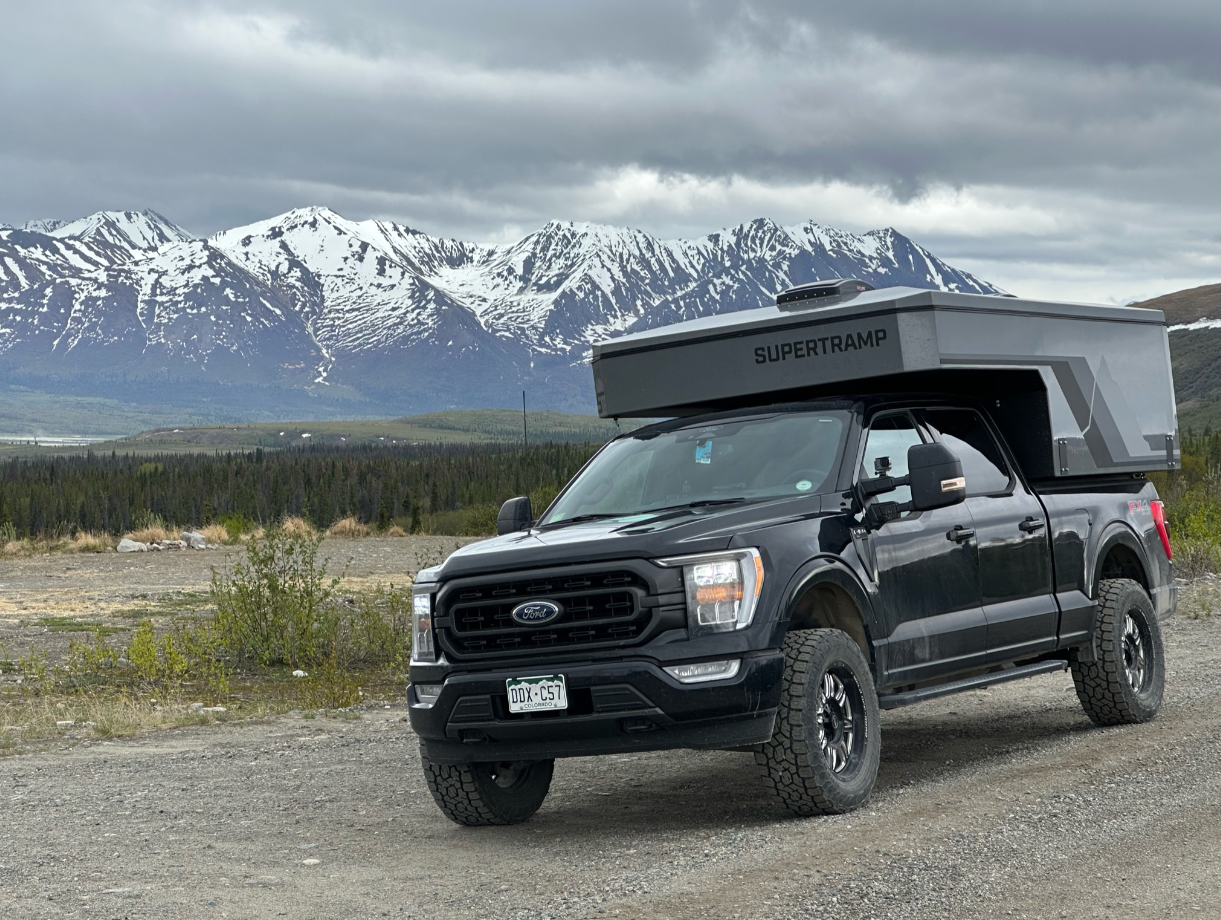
821,293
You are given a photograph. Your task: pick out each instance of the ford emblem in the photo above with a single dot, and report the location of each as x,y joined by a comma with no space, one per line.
535,613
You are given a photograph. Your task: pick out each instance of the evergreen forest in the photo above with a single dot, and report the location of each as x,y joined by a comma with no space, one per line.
454,489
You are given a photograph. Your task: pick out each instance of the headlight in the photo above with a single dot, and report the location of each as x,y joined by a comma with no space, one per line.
423,645
722,589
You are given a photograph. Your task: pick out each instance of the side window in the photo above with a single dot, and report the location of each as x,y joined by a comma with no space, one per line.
890,435
965,433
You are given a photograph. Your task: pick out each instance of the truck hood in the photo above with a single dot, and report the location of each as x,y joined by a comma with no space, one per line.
652,536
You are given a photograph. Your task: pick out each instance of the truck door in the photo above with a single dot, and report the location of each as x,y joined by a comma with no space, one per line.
926,570
1011,530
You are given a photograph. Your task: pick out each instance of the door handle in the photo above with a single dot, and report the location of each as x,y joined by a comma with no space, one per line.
1030,525
960,533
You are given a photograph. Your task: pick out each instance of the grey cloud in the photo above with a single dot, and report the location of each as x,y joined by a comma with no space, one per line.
465,117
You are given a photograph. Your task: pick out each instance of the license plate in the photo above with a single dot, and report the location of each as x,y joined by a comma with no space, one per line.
536,694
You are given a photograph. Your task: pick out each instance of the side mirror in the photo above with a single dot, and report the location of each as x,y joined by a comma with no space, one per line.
515,515
936,477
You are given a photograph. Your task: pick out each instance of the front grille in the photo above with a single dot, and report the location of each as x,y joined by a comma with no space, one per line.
599,608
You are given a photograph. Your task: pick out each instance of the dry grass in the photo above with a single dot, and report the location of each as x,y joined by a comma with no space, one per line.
1200,598
82,542
29,723
88,542
153,534
394,530
216,534
348,527
298,527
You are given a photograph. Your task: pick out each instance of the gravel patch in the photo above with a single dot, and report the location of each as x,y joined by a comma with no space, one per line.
997,803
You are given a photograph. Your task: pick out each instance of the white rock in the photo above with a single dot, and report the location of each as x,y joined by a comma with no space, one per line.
310,862
299,673
132,546
197,706
194,539
66,723
213,709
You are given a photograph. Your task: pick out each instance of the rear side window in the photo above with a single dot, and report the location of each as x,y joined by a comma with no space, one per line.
964,432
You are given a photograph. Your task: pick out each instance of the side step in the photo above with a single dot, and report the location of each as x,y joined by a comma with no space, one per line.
895,700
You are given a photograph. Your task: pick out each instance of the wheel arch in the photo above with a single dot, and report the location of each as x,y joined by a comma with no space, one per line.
826,594
1120,555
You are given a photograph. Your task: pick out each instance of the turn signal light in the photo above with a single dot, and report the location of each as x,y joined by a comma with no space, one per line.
718,594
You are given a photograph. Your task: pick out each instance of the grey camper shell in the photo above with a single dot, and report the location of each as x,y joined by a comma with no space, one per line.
1077,389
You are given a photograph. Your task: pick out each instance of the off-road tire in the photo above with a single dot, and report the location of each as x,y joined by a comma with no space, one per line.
1112,690
471,794
795,765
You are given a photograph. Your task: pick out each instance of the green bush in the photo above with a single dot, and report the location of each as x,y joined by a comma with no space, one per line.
235,525
280,608
275,608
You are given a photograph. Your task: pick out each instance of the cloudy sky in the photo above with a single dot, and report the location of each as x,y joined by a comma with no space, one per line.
1066,148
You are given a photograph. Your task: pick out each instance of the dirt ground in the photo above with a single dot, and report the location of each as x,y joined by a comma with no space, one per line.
117,590
996,803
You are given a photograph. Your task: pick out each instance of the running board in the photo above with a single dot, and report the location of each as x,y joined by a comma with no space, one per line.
895,700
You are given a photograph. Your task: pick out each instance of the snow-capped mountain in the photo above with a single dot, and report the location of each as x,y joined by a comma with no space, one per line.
43,225
371,310
134,230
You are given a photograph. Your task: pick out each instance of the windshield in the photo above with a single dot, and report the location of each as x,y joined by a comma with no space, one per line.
789,454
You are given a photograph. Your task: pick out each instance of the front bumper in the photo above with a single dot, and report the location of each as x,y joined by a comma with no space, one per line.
613,707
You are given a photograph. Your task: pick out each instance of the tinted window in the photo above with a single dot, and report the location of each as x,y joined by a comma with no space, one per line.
964,432
890,436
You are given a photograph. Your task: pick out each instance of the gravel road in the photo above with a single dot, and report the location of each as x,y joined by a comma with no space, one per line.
997,803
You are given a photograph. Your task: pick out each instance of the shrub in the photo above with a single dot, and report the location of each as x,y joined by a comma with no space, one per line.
156,663
298,526
153,534
348,527
85,542
235,525
216,533
1194,558
1200,599
275,607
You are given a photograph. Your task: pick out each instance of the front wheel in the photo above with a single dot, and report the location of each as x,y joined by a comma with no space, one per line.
489,793
823,756
1124,684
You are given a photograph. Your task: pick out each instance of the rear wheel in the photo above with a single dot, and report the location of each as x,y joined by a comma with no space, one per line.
475,794
823,756
1124,684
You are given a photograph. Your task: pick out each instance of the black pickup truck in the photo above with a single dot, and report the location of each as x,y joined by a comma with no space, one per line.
766,578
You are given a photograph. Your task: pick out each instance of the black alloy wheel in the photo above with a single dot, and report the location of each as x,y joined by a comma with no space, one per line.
1123,678
823,755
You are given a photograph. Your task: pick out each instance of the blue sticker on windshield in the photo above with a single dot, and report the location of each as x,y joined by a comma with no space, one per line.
703,451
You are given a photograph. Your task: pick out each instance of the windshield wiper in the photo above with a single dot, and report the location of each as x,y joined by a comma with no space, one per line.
700,503
582,518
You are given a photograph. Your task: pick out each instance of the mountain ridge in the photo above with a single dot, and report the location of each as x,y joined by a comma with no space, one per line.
379,315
